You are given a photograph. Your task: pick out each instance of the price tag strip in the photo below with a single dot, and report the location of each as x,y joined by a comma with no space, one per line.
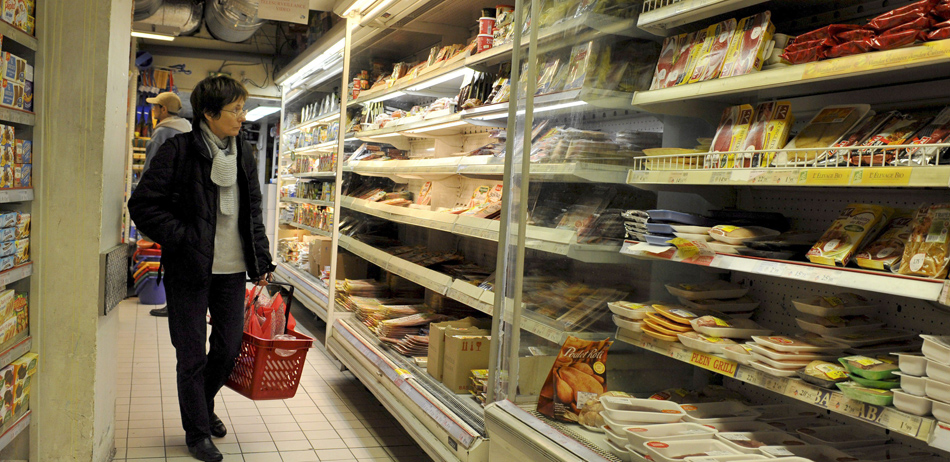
405,382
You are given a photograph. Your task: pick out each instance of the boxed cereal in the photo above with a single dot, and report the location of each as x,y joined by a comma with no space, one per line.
9,11
23,225
23,175
22,251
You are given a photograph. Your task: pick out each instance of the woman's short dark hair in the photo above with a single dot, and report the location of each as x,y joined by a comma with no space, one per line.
212,94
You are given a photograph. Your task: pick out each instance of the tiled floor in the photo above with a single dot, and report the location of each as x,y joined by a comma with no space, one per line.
332,417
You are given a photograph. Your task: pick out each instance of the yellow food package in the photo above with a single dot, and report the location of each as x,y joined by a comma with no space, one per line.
885,251
856,224
776,133
578,375
927,251
739,132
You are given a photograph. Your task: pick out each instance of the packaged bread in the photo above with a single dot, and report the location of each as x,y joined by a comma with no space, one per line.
926,250
579,374
718,40
748,49
685,59
856,224
723,137
777,130
668,55
885,251
823,131
755,139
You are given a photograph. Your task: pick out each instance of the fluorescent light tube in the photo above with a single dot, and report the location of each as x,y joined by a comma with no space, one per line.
260,112
147,35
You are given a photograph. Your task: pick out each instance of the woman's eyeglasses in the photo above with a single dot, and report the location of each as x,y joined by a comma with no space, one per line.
238,114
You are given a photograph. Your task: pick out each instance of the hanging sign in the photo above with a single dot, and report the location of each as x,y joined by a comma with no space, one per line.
296,11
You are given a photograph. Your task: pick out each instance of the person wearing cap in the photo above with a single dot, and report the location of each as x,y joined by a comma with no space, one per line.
165,108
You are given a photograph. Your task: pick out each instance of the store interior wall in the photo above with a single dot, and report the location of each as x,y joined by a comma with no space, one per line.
81,107
252,70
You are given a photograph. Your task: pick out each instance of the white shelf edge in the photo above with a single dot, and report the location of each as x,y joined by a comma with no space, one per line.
23,423
880,282
311,292
295,200
660,20
313,230
937,176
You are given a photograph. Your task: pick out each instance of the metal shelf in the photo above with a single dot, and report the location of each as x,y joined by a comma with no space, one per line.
313,230
314,175
660,16
311,292
489,167
17,116
23,423
427,414
886,417
16,195
12,33
933,290
294,200
868,70
321,120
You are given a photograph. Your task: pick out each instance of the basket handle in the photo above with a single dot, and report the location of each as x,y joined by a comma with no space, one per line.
290,298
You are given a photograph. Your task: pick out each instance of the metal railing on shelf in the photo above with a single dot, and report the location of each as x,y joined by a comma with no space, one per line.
650,5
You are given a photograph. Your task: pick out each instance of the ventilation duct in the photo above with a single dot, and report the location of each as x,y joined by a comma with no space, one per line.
183,15
146,8
232,20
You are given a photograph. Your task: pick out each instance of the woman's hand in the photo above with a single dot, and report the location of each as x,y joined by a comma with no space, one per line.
266,279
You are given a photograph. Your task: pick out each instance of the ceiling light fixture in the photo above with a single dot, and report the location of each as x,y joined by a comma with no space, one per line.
147,35
260,112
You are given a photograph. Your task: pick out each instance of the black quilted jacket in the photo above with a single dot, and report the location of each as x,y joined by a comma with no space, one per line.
176,203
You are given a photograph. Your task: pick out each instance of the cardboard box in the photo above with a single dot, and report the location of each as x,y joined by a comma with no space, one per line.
321,249
21,308
284,232
23,151
23,175
351,267
22,251
23,225
11,94
28,364
464,352
7,176
21,15
28,96
437,332
9,11
532,370
14,67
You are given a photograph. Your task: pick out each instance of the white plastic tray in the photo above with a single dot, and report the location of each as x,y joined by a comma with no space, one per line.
937,371
617,408
705,346
911,404
707,290
808,325
914,385
850,305
841,437
627,324
772,370
722,247
616,437
808,452
937,348
795,344
691,229
693,237
940,410
763,233
619,309
638,435
938,390
782,356
726,411
737,353
662,451
783,365
741,304
873,337
912,363
743,328
620,451
772,438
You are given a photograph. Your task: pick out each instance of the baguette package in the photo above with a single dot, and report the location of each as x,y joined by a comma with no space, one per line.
856,224
823,131
885,252
926,250
578,375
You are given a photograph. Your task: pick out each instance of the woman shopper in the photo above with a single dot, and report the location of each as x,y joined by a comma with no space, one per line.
201,201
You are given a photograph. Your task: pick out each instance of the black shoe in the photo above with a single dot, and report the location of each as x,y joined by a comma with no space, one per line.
218,430
160,312
205,450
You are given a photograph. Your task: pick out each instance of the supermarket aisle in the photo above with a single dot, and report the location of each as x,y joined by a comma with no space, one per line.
332,417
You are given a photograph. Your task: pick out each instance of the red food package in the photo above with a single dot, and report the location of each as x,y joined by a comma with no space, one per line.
923,6
939,34
917,24
883,23
671,47
683,65
942,10
827,32
848,49
805,56
941,25
900,39
814,43
857,34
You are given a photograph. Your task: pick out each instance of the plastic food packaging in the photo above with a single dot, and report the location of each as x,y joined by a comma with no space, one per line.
859,135
798,344
738,353
652,332
578,374
755,139
927,250
641,411
842,304
836,326
880,368
916,386
806,55
637,436
685,59
936,348
737,235
879,384
912,363
850,48
738,305
719,37
706,290
631,310
866,395
823,374
938,371
733,328
705,343
805,357
856,224
673,451
668,55
937,131
730,136
841,437
792,365
889,20
853,35
824,130
777,131
886,251
890,41
483,42
747,52
719,412
863,339
750,442
656,320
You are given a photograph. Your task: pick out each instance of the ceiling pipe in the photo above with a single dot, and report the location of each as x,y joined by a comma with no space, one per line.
232,20
183,16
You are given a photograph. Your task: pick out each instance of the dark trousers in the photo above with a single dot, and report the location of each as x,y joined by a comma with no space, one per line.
201,372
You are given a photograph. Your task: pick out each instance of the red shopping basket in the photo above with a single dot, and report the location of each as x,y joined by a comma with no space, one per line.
261,371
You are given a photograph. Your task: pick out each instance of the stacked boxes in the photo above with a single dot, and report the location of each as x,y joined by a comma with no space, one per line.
14,240
12,87
15,385
20,14
16,160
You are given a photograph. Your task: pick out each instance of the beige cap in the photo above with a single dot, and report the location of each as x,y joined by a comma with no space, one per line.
168,99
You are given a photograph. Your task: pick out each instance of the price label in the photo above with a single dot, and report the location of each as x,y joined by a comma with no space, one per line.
681,354
852,407
634,177
677,178
825,276
748,375
403,373
827,176
900,422
713,363
769,268
802,273
720,178
804,392
775,384
881,176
